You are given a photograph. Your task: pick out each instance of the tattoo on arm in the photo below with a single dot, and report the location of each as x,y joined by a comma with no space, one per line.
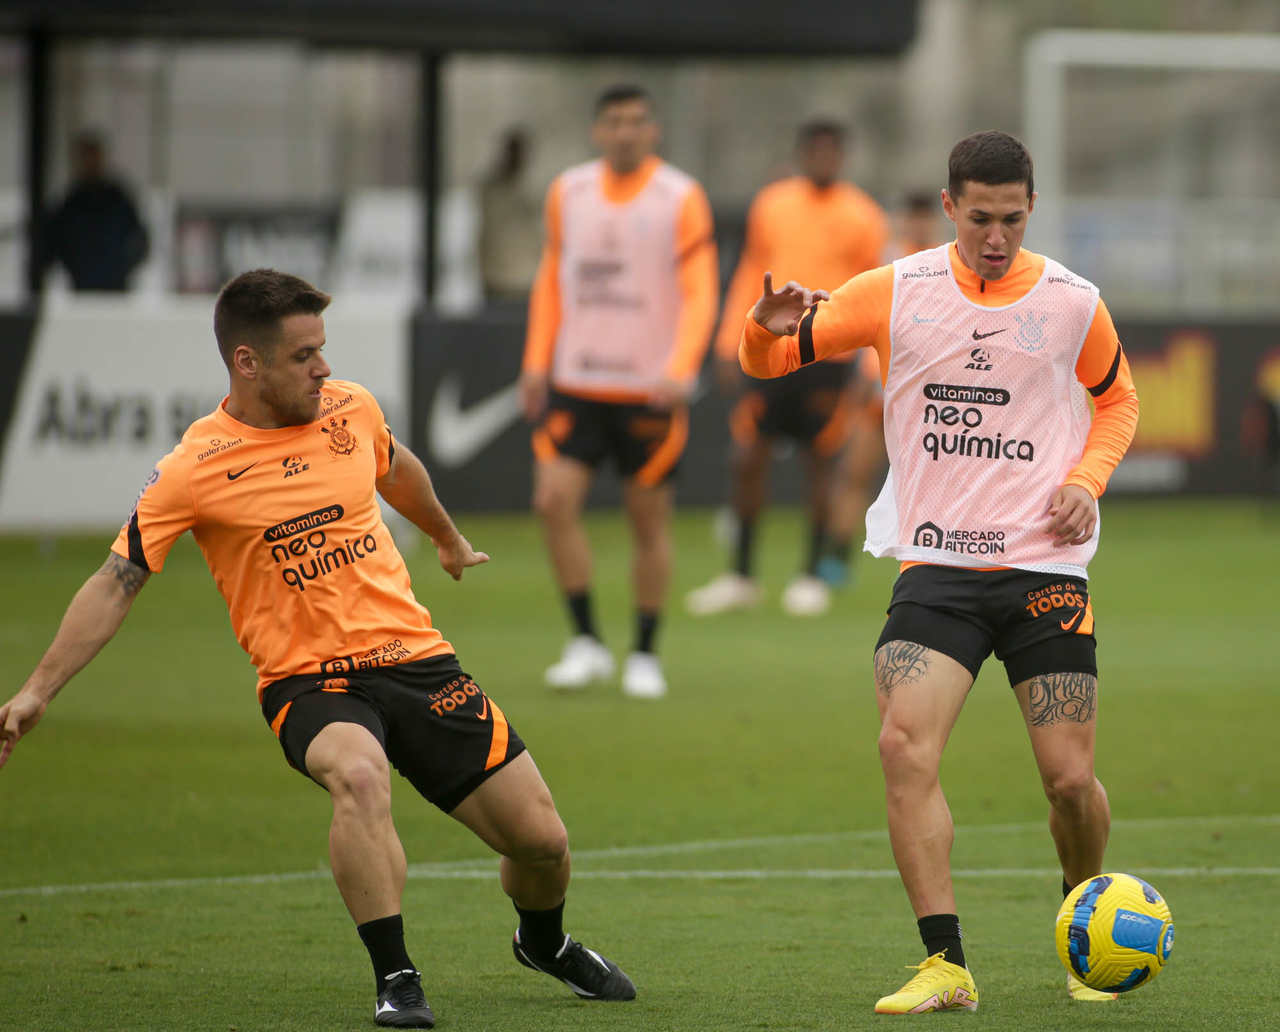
899,663
1062,699
130,576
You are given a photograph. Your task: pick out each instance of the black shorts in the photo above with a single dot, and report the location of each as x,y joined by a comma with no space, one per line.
644,442
437,728
813,406
1036,623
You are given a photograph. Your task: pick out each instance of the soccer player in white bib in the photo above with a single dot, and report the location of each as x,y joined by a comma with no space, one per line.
989,354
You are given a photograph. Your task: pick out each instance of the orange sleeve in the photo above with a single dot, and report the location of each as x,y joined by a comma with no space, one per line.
857,316
1104,371
544,298
164,511
699,284
744,288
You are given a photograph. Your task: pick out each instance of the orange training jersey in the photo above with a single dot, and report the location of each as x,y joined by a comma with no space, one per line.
798,231
289,524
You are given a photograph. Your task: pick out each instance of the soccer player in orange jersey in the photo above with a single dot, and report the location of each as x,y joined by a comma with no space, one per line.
278,486
619,319
815,228
989,355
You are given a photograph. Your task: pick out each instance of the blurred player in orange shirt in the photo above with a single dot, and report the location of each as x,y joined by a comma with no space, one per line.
815,228
278,486
619,321
916,227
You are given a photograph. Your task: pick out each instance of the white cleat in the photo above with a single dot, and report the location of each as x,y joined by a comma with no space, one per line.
585,659
727,592
642,677
807,596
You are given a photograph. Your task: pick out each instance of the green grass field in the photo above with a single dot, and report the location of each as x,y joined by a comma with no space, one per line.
162,868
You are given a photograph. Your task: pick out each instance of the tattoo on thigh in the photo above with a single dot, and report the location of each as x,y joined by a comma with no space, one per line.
1062,699
899,663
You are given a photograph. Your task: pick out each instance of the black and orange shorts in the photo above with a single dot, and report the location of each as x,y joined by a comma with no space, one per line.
644,442
1036,623
437,728
812,406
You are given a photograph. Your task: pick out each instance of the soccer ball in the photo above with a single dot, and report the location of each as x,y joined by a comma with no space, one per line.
1114,932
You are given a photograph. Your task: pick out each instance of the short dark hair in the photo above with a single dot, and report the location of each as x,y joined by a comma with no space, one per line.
920,202
991,158
249,309
816,127
620,93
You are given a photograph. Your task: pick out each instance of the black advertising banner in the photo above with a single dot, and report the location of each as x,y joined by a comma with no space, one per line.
1209,392
215,242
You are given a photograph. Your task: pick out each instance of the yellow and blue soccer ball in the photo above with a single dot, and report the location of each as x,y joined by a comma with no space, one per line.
1114,932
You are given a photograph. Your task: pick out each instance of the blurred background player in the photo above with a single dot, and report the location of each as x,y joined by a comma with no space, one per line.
619,321
819,230
917,227
95,232
510,226
991,507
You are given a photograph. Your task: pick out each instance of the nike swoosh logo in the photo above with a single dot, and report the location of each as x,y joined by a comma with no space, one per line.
984,336
384,1008
484,713
1067,625
457,435
237,476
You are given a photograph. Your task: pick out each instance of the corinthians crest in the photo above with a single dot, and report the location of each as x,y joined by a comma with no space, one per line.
1030,334
341,440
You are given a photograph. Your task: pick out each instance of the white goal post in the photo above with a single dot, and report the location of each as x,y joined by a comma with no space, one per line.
1046,59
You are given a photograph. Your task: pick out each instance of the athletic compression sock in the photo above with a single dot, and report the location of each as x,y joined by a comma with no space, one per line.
542,931
384,939
941,934
579,603
646,629
744,545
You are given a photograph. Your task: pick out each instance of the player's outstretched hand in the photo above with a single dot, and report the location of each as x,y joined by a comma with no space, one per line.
779,312
18,716
1072,516
457,555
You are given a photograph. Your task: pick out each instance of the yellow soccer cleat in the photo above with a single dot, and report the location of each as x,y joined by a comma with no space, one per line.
939,985
1077,990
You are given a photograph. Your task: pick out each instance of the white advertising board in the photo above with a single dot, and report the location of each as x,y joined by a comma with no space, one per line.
111,384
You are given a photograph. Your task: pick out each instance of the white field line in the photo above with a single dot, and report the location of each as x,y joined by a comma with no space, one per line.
482,868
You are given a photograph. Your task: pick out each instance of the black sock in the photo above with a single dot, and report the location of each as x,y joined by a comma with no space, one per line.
941,934
842,550
817,542
646,628
1066,889
580,612
384,939
744,546
542,931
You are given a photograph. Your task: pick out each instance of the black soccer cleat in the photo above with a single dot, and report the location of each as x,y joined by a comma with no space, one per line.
588,974
402,1003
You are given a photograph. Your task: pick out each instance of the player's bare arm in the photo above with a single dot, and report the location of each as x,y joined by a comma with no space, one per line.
779,311
1073,515
91,620
407,488
534,389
